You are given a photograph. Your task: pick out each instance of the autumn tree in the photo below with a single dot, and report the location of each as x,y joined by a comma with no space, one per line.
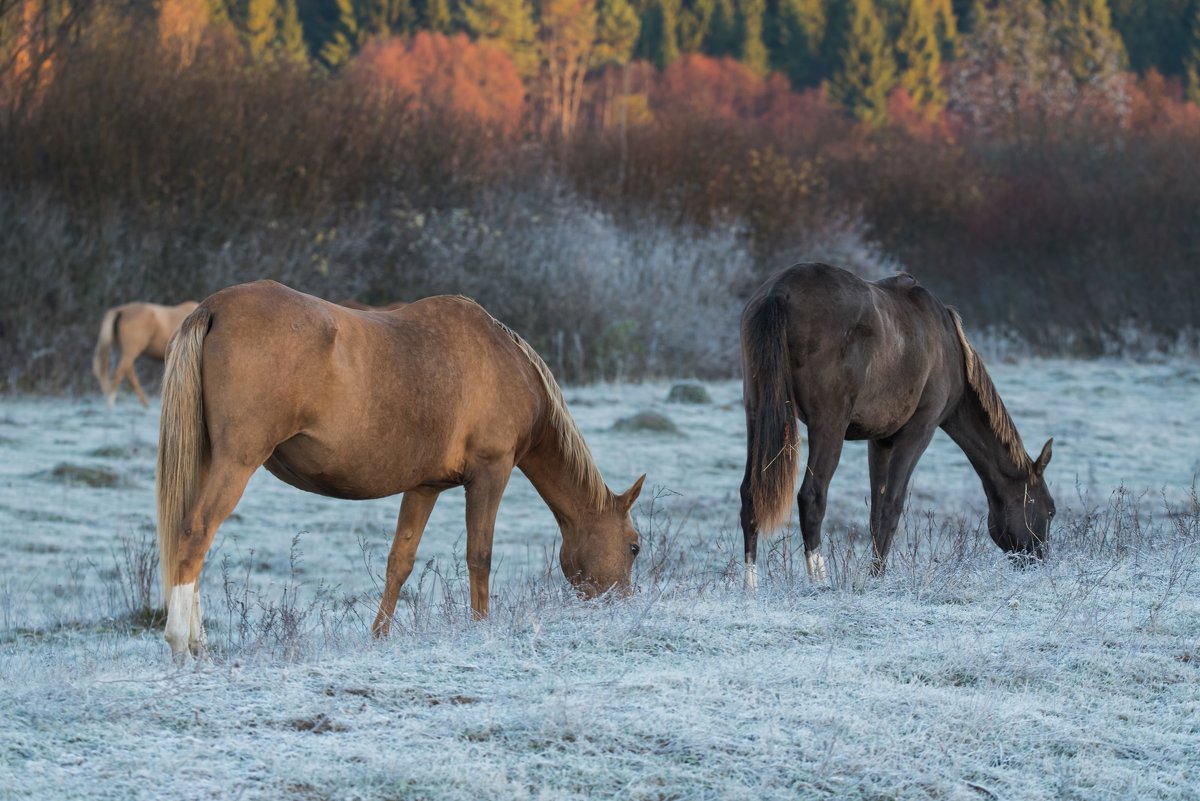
271,30
1090,47
750,50
509,26
567,36
866,71
919,57
445,74
182,23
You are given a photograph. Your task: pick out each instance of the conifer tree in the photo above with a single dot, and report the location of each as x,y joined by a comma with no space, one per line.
946,25
920,60
383,17
795,44
509,25
658,41
751,51
1089,44
1191,64
694,19
721,38
866,71
435,16
342,39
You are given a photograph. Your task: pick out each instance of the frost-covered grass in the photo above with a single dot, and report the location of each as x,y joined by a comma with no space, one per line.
955,676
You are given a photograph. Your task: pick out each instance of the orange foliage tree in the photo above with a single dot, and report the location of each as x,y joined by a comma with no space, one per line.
447,74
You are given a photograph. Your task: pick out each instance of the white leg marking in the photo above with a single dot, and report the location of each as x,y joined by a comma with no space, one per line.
197,641
179,618
751,576
816,566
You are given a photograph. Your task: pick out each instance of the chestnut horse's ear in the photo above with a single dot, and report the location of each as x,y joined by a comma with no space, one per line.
1039,466
626,499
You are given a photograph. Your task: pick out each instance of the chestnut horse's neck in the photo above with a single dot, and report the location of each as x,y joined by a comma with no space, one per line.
563,476
560,465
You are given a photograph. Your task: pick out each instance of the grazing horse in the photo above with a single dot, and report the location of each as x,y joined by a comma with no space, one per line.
361,405
351,303
888,363
140,329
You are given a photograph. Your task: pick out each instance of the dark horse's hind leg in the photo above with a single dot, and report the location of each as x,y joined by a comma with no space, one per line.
825,440
892,462
749,533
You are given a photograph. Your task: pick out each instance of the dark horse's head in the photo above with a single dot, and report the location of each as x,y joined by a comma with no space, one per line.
1019,519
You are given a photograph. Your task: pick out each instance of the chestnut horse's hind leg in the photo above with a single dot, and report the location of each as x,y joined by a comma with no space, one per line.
219,493
414,514
483,499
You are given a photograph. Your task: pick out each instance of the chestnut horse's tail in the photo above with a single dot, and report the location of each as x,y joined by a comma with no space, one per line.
104,345
774,438
181,438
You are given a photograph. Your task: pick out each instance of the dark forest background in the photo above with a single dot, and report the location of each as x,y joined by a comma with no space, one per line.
610,177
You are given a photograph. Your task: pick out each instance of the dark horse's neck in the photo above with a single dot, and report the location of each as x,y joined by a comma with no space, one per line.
992,459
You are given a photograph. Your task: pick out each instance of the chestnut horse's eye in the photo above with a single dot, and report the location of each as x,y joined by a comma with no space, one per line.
635,549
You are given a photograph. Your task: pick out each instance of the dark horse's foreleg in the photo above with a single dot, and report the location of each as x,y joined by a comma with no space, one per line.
824,451
483,500
414,514
891,465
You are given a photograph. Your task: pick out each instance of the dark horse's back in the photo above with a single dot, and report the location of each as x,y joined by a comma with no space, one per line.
877,351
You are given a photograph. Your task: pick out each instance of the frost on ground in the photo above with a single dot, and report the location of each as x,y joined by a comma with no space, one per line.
956,676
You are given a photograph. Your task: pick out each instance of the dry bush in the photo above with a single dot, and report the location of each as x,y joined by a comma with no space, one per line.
449,73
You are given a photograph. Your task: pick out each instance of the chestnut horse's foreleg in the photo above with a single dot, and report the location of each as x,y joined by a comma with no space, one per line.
222,488
891,465
414,514
483,500
824,453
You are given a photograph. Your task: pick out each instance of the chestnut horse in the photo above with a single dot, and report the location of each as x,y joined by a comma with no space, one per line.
353,404
351,303
140,329
888,363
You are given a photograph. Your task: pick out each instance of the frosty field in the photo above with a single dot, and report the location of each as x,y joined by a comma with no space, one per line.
955,676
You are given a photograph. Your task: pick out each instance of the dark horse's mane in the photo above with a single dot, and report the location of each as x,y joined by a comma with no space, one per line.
980,383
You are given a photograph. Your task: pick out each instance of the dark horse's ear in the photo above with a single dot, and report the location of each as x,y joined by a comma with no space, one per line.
626,499
1039,466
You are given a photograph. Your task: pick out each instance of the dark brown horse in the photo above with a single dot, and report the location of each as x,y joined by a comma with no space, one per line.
354,404
888,363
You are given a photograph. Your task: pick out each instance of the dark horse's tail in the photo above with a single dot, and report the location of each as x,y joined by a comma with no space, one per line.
774,439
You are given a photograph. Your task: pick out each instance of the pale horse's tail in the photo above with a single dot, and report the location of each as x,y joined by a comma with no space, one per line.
104,345
181,439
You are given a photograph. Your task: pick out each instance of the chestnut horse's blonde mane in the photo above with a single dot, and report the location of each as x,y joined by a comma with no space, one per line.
997,415
574,449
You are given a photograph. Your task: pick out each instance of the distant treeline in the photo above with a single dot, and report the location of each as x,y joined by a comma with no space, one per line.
1033,163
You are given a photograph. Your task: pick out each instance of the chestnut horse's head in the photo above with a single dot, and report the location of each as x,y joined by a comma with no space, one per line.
599,547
